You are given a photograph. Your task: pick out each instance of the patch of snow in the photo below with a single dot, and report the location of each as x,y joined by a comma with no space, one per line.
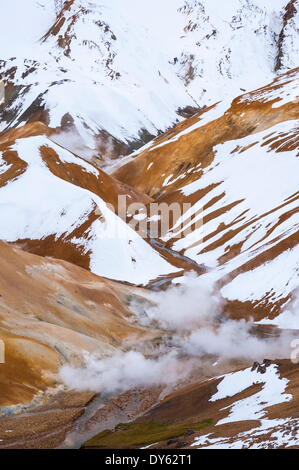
274,279
288,319
253,408
38,204
101,78
254,218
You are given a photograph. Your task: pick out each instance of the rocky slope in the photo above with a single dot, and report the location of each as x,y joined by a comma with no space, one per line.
50,312
105,330
237,165
252,408
97,69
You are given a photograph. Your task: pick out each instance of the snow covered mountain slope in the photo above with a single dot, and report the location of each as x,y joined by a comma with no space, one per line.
237,164
99,322
98,67
53,203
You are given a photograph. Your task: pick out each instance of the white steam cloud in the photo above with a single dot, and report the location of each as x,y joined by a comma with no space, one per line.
191,315
72,141
234,340
183,307
124,371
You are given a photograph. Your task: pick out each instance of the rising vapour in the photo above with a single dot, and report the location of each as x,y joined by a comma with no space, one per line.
125,370
71,140
192,315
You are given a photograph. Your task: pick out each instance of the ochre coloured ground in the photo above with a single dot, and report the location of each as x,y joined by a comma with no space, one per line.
52,308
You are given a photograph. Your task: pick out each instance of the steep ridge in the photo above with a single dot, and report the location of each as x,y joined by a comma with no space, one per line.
287,35
237,165
54,203
98,69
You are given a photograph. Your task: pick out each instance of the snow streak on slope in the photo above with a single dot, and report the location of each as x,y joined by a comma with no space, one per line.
22,24
259,190
270,433
40,205
101,65
234,172
239,170
253,406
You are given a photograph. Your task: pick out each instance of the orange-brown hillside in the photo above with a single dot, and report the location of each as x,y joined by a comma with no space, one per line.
237,165
50,312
